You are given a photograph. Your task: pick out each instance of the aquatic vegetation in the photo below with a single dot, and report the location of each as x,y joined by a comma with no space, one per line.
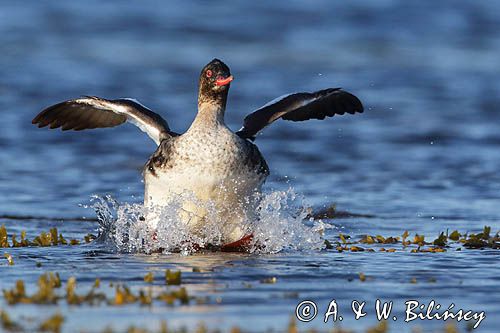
51,238
55,322
271,280
381,327
44,295
8,324
89,238
123,295
455,235
3,237
170,297
52,324
46,285
9,259
49,283
149,277
172,278
16,295
440,244
482,240
23,243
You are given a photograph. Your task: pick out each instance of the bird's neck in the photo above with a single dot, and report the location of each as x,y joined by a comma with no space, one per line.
211,110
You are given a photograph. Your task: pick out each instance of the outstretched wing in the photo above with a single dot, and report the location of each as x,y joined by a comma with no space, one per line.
94,112
299,107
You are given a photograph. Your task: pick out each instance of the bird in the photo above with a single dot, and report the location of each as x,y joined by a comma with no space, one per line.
209,165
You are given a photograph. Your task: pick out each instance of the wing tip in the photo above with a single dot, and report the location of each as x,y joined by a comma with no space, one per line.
38,121
38,117
355,103
359,107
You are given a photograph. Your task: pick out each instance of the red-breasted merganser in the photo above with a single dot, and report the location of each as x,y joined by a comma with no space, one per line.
209,162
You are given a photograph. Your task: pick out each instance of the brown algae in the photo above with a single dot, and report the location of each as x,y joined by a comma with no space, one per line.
51,238
443,242
50,283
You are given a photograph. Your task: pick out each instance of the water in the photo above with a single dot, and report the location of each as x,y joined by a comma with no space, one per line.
282,223
423,157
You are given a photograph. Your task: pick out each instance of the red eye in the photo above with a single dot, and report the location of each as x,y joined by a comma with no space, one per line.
209,73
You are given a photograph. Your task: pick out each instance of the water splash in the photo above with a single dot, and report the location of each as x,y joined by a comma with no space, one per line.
280,224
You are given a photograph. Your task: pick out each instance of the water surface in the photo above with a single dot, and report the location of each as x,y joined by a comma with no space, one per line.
424,157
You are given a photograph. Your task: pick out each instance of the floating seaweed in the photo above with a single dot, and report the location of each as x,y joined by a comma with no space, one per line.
49,283
52,324
8,324
123,295
51,238
170,297
482,240
149,277
172,278
443,242
9,258
4,242
270,280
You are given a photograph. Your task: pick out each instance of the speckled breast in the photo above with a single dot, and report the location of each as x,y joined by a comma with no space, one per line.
217,166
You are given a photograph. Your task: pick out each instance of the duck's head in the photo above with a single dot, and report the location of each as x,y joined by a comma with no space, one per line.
215,78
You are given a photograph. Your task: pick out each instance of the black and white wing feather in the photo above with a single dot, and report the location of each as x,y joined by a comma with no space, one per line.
93,112
299,107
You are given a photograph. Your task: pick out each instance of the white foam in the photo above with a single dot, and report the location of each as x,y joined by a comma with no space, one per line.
280,225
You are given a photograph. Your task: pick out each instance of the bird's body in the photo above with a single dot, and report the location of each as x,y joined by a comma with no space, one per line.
212,174
207,164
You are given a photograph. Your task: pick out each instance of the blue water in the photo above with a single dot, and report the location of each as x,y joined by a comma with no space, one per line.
424,156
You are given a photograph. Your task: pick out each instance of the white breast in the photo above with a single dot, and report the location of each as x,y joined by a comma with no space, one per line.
210,171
